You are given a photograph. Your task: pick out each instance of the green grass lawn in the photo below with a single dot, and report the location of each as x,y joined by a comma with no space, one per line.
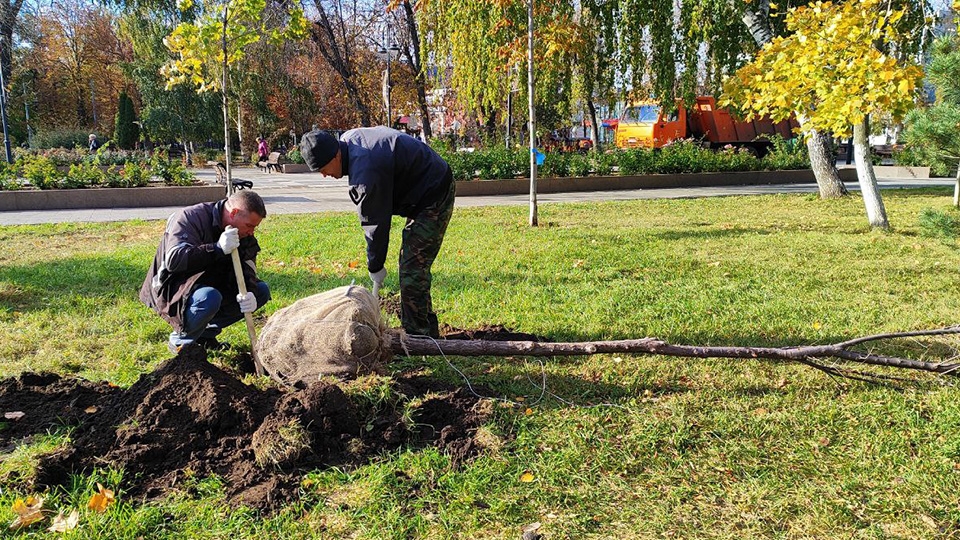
618,446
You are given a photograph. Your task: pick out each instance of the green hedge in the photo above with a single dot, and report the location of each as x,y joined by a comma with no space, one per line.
680,157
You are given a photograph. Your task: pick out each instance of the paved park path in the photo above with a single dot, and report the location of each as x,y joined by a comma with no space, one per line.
310,192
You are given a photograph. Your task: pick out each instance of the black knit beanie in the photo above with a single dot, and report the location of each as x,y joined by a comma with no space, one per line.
318,148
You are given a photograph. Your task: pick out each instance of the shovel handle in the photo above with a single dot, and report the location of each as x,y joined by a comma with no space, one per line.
251,331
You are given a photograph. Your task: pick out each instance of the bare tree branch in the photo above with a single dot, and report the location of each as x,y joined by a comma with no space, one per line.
402,344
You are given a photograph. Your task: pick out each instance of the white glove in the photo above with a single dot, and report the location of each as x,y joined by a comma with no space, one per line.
377,279
248,302
229,240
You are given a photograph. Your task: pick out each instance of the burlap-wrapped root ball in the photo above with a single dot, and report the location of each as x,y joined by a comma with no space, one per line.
338,332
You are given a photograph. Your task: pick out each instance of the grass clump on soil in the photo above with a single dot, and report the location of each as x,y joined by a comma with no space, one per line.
612,445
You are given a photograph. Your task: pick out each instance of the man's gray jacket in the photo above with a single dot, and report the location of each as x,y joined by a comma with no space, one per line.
188,257
391,173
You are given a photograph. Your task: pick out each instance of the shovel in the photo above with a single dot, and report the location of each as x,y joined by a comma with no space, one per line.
241,284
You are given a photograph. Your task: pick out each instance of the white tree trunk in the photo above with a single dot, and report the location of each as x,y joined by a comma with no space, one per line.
534,219
239,123
956,188
876,213
226,104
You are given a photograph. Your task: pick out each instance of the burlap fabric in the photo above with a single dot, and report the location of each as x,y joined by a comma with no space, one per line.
338,332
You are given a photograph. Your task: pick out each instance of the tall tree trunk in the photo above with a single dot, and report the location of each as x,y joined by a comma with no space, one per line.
338,55
420,78
756,17
9,11
876,213
226,108
594,126
239,122
489,122
532,115
823,165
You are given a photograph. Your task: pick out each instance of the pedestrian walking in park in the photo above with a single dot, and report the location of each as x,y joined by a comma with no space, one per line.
192,283
92,142
263,151
391,173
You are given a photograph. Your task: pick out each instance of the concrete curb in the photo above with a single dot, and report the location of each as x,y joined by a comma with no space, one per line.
294,168
897,171
60,199
520,186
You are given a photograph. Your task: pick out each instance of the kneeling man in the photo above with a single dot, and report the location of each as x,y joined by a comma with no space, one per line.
192,284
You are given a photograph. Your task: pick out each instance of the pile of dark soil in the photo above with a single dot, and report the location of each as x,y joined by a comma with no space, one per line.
494,332
190,414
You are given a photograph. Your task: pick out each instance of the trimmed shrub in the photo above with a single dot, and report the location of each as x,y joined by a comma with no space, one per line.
81,175
579,164
9,174
172,172
131,175
40,172
786,154
61,138
685,156
635,161
555,165
602,163
293,156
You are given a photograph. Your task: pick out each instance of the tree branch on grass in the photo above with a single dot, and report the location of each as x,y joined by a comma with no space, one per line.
811,355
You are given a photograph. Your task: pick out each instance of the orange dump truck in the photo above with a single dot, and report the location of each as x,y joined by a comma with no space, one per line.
648,126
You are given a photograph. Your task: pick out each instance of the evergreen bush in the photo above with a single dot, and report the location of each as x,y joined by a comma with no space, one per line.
125,130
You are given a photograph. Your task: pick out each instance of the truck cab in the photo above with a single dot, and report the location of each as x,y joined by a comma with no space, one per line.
645,125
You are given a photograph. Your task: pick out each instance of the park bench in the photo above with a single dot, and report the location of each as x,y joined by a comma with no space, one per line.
221,170
272,163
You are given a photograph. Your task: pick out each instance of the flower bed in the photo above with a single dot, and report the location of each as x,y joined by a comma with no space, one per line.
40,171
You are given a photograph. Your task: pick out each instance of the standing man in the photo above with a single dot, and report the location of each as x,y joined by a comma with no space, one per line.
192,284
391,173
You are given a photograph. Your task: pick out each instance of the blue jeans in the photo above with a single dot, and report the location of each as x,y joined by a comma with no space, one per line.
208,313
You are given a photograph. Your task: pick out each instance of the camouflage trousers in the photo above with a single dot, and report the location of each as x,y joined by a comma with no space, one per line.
422,237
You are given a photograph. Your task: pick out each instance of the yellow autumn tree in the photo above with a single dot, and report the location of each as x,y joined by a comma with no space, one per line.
206,48
836,67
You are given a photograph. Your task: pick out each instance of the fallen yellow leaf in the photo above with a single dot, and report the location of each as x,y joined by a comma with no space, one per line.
28,512
526,477
64,524
91,409
101,500
353,264
14,415
528,412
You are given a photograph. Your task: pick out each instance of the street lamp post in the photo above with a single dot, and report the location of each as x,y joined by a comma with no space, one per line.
388,53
